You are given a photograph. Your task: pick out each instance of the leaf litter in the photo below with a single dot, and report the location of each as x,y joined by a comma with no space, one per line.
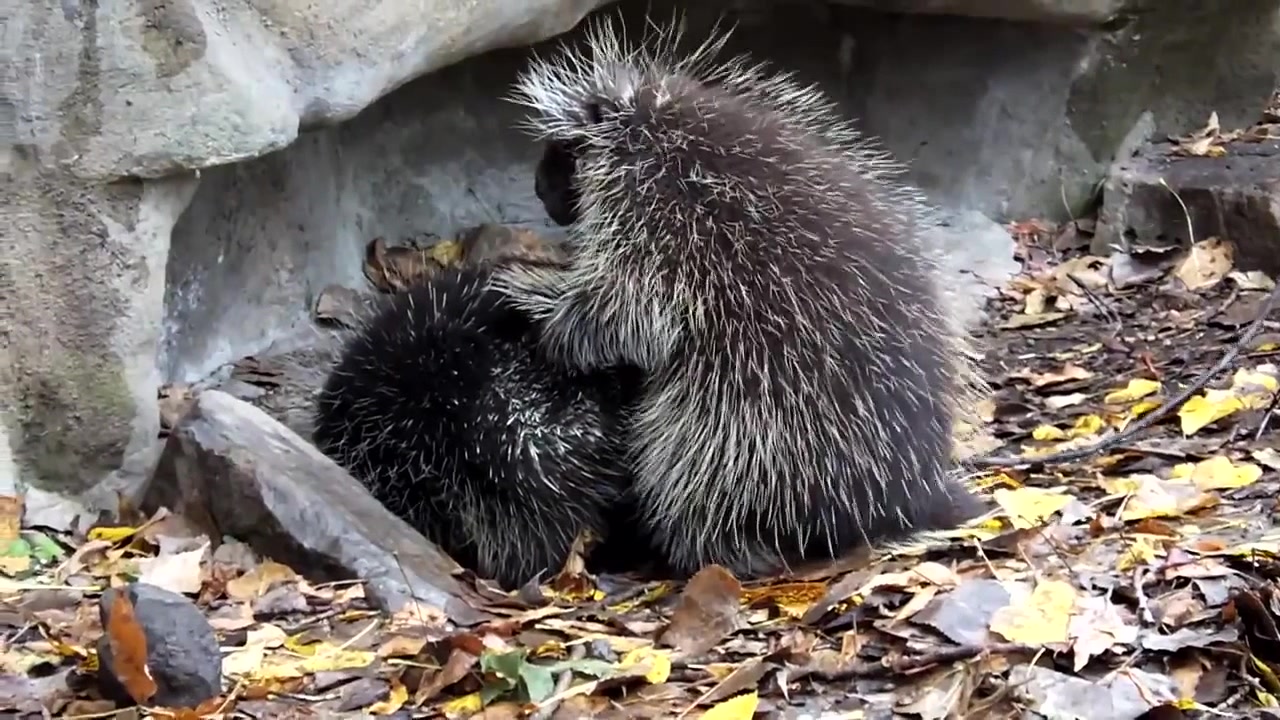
1141,583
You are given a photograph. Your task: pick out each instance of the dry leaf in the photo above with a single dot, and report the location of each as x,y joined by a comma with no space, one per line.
1029,507
181,572
457,667
1025,321
1040,618
396,698
1137,389
742,707
653,664
1205,264
706,612
259,580
129,650
1095,628
1217,473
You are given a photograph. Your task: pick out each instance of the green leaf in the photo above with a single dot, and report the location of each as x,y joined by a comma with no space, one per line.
538,682
16,547
505,664
43,548
492,692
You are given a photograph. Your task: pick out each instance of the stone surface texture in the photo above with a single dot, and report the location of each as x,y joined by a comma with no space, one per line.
1067,12
183,178
182,650
1157,200
232,470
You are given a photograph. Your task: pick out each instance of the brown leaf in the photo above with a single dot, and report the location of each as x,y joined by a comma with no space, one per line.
259,580
572,582
393,269
10,517
1205,264
490,243
338,304
745,677
457,667
706,612
129,650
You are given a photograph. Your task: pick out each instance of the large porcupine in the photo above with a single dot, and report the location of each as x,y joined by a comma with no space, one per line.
442,407
759,260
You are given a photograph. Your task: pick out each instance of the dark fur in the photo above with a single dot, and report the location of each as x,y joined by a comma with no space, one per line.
553,183
440,406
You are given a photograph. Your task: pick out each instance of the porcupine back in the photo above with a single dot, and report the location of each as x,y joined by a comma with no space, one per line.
747,248
440,405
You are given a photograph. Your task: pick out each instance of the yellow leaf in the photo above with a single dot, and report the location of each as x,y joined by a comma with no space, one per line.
1035,302
1217,473
244,661
1204,410
332,658
619,644
446,252
1137,389
112,534
1268,548
1048,432
659,663
657,593
395,699
1030,507
1149,496
14,565
1085,426
1121,485
1141,551
1252,380
793,599
1142,408
465,706
1042,617
1137,410
1023,320
742,707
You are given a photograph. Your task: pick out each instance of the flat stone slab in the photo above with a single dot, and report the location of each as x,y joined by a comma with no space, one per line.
1235,197
231,469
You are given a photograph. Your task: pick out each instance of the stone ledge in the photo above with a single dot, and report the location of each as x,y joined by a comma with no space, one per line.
1235,197
1058,12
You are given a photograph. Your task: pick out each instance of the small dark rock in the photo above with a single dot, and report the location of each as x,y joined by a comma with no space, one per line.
231,469
182,651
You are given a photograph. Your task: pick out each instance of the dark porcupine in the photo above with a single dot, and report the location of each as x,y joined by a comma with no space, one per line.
442,408
743,246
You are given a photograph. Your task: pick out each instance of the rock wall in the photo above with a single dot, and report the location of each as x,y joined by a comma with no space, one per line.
108,112
183,178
